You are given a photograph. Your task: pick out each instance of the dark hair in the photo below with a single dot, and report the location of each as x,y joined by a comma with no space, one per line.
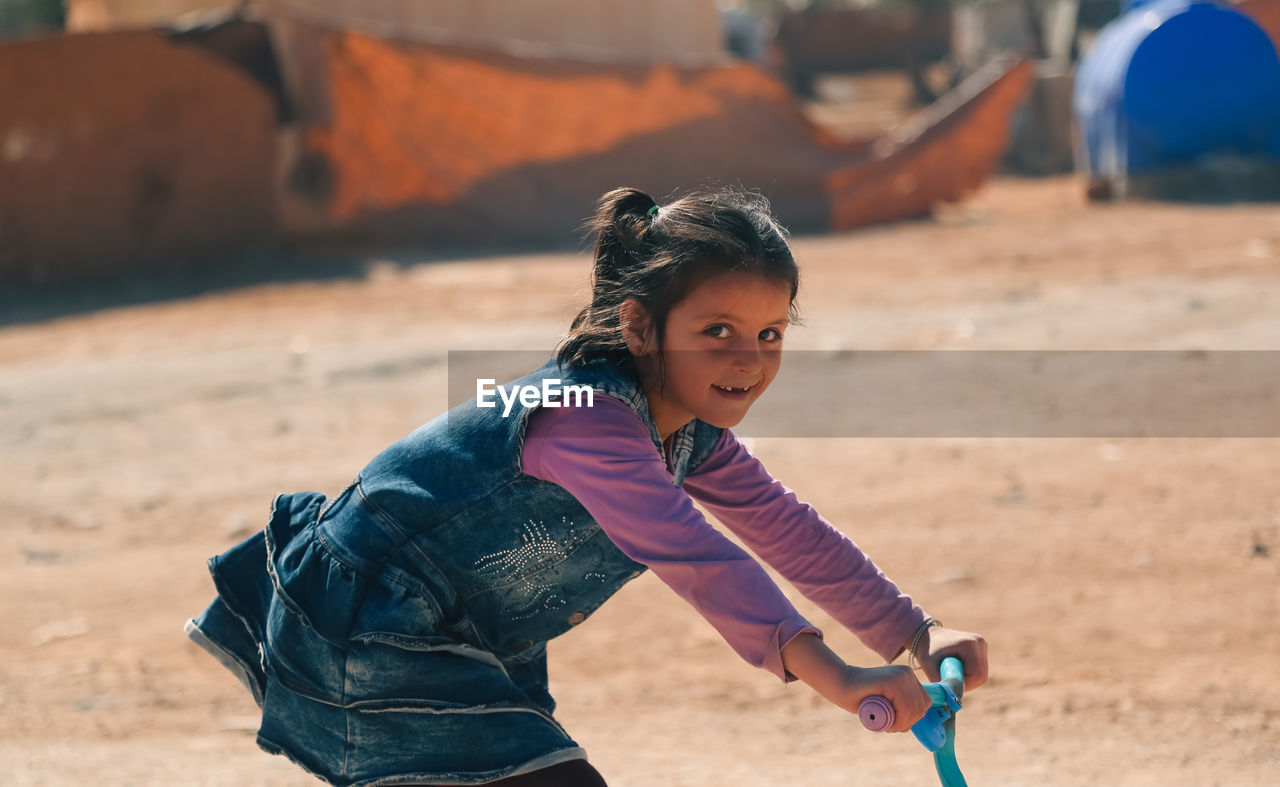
657,255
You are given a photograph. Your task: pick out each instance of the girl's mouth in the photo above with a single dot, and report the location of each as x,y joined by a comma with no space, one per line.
733,392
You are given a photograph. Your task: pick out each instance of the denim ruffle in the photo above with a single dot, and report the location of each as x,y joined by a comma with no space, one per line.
360,677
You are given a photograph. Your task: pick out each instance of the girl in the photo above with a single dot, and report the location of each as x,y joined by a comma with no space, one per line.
397,635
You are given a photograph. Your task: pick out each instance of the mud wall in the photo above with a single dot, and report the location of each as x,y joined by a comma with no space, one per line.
99,15
600,30
122,150
597,30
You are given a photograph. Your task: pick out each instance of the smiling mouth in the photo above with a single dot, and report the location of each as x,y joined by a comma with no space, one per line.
731,389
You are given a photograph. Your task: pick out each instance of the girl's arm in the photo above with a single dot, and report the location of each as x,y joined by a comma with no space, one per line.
823,563
605,458
608,462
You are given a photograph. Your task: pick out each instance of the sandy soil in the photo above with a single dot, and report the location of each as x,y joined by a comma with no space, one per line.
1129,588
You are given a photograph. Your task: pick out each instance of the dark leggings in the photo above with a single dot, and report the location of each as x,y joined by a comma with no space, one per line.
574,773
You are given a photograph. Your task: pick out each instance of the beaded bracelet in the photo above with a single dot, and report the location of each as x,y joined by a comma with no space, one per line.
915,641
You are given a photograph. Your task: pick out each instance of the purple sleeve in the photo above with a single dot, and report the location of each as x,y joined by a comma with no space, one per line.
604,457
822,563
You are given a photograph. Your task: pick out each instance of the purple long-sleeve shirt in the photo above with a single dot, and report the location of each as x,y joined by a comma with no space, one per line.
604,457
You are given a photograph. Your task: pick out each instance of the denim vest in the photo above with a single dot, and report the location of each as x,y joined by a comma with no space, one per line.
399,633
506,561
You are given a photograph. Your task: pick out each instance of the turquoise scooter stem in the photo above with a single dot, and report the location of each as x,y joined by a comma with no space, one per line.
937,730
944,759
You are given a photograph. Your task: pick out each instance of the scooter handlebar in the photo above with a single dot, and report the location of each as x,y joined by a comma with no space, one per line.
877,714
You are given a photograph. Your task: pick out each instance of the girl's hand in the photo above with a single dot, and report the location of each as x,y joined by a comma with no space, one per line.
808,658
897,683
971,649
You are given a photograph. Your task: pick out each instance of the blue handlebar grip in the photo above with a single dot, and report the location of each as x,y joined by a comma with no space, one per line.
936,731
952,669
929,730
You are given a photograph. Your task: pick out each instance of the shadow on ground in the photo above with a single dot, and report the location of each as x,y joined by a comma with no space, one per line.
179,279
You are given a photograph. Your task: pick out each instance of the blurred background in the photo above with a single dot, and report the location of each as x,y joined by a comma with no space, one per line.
145,132
238,241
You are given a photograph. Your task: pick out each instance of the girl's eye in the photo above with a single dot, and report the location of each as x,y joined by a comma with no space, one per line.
718,331
771,335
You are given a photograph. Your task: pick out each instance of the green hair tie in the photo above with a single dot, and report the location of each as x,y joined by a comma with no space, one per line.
652,210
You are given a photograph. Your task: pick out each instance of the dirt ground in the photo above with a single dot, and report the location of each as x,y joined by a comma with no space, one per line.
1129,589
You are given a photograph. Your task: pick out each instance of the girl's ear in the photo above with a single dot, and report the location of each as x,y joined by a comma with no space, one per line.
637,328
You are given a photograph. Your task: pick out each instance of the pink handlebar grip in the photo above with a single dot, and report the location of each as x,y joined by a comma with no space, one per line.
876,714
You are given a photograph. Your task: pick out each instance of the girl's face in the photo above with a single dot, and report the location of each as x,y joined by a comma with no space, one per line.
723,347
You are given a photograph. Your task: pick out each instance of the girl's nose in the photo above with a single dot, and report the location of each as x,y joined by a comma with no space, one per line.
747,357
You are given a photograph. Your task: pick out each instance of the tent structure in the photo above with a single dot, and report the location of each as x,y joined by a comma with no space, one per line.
171,145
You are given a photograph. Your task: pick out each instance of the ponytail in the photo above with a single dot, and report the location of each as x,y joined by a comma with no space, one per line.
656,254
623,218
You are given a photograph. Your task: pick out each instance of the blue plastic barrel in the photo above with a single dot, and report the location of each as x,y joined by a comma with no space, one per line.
1172,81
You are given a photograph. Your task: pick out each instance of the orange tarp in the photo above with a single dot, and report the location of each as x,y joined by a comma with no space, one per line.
944,153
457,144
426,124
